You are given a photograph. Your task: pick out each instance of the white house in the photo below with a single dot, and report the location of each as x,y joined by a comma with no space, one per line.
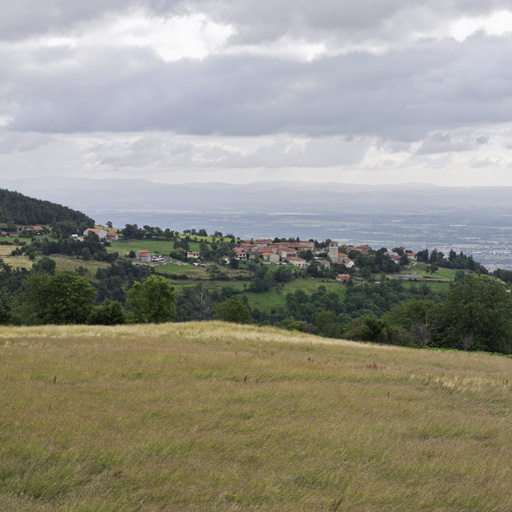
102,234
298,262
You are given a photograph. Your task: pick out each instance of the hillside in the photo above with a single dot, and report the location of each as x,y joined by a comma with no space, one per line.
218,417
20,209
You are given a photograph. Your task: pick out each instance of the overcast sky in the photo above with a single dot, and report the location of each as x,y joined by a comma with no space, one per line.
176,91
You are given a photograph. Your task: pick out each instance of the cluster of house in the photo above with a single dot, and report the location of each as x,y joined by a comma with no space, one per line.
396,257
288,252
275,252
38,230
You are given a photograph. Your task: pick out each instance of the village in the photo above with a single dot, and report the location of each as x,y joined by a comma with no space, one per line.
266,251
299,253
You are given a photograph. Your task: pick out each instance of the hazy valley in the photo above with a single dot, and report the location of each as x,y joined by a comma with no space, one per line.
476,220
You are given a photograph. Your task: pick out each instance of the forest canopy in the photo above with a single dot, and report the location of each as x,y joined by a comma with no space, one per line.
21,209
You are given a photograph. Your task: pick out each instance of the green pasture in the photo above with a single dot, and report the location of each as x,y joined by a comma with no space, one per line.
443,273
154,246
277,297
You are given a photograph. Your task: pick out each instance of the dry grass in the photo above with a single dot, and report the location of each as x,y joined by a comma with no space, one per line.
17,261
5,250
69,263
219,417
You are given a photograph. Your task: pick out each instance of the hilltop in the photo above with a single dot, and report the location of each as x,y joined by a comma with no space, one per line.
219,417
20,209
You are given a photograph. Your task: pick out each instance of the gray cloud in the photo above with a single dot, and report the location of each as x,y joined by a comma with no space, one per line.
22,142
402,95
388,88
485,163
160,151
443,143
256,21
25,18
260,21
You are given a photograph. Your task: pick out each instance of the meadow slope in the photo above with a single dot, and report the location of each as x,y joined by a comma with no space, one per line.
221,417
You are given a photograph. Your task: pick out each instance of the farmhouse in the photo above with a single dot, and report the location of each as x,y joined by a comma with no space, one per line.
193,255
143,255
102,234
298,262
241,255
37,229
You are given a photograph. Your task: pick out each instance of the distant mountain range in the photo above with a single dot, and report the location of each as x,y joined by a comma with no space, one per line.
99,197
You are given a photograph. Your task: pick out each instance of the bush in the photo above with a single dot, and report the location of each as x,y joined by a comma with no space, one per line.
368,328
109,313
232,310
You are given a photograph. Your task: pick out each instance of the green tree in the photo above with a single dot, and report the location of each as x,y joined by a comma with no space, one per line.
45,265
71,298
5,308
33,299
368,328
460,275
414,321
111,312
327,325
86,253
404,260
153,301
432,269
283,274
65,298
477,314
232,310
307,255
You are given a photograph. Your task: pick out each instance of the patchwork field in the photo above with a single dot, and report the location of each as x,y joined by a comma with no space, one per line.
220,417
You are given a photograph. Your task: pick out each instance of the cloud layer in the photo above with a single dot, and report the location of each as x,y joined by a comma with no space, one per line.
258,87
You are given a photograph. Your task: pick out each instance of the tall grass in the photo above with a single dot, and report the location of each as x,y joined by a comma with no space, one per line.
220,417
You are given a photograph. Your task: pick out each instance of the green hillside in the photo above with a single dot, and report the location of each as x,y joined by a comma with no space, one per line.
20,209
221,417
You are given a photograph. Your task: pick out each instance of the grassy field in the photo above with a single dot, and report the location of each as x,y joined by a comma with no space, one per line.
442,273
217,417
154,246
186,268
68,263
17,261
436,286
273,298
6,250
